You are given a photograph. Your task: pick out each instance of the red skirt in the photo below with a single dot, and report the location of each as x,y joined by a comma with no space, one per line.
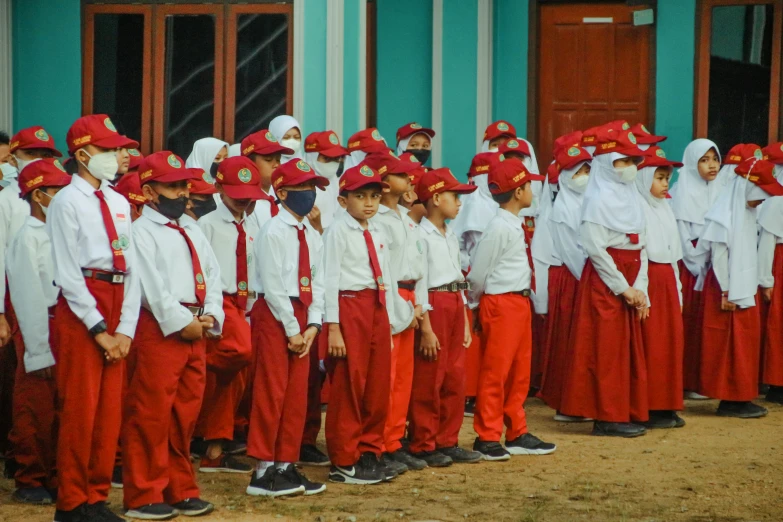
730,349
663,339
606,377
562,302
692,320
772,327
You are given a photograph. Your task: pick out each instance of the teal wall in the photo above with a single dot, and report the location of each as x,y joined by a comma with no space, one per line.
314,118
351,67
510,62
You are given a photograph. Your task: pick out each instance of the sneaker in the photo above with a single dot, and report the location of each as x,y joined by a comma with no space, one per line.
37,496
390,468
223,464
470,406
116,477
198,447
101,512
562,417
529,444
775,394
309,455
491,450
617,429
740,410
193,507
297,477
679,422
406,458
660,419
365,471
79,514
434,459
693,396
234,447
462,456
152,512
273,483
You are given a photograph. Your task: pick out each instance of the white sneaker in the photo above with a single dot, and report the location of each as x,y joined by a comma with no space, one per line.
560,417
693,396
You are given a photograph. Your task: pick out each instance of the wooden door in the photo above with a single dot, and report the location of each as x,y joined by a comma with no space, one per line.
593,67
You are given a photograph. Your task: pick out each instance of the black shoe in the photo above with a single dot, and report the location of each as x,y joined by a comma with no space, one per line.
79,514
617,429
295,476
491,450
116,477
38,496
434,459
462,456
152,512
309,455
679,422
198,447
470,406
365,471
529,444
273,483
101,512
775,394
223,464
406,458
193,507
390,468
660,419
741,410
234,447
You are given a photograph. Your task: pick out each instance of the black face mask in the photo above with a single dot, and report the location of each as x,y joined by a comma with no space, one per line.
420,154
202,208
340,169
172,208
213,170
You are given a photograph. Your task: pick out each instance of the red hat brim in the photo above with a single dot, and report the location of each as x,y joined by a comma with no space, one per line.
171,177
29,146
337,151
273,148
249,191
319,181
117,141
773,189
363,183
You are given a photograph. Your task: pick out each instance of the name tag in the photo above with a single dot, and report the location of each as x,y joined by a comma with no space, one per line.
120,217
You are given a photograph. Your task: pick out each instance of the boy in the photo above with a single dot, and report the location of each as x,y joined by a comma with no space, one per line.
182,303
287,321
265,151
360,311
438,398
95,266
409,200
30,275
202,196
500,277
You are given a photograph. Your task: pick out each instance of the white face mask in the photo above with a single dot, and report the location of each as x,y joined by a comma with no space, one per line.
103,166
23,163
627,174
493,149
327,170
9,173
44,209
292,144
579,184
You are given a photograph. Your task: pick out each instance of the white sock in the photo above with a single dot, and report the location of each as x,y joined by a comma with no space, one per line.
282,466
262,466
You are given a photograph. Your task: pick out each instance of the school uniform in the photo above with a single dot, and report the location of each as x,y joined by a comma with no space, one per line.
265,209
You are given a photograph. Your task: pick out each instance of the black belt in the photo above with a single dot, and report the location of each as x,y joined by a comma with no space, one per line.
250,294
116,278
523,293
196,310
452,287
291,297
406,285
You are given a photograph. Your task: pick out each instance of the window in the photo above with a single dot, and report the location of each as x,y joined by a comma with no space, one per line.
171,74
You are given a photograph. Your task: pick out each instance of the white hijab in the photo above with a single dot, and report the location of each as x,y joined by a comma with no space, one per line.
692,197
203,155
354,158
478,208
537,186
325,200
402,145
663,238
235,150
610,202
771,212
279,126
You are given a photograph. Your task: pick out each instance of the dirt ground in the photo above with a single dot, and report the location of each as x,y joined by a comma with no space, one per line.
713,469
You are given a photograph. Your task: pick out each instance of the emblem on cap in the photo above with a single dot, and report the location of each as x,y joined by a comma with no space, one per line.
109,125
414,159
376,135
512,144
41,135
645,129
244,175
206,176
573,151
365,171
451,174
501,157
415,126
242,286
199,279
304,281
303,166
333,139
174,162
270,137
626,126
757,154
632,138
133,152
503,126
660,153
58,165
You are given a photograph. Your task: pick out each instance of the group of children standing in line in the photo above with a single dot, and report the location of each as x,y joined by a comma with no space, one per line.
162,309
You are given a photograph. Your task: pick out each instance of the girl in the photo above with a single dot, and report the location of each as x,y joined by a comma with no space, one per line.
326,156
289,133
207,154
415,139
662,333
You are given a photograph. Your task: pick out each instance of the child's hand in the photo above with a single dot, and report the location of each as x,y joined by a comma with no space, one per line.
296,343
5,331
429,345
468,338
634,298
766,293
315,219
726,305
643,313
193,331
336,341
309,337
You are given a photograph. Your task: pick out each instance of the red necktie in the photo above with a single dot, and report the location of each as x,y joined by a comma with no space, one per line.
273,208
529,252
114,240
376,267
198,276
241,266
305,277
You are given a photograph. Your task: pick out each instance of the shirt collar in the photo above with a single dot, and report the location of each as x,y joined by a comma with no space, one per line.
156,217
510,217
84,186
288,218
225,214
428,227
35,222
351,221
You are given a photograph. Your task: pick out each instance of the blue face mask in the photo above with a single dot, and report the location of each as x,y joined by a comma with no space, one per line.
300,202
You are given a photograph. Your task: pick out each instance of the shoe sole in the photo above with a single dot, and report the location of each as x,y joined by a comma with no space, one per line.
317,464
339,478
620,435
117,485
224,470
526,451
258,492
491,458
439,464
309,492
742,415
467,461
196,512
567,418
48,502
237,452
146,516
469,414
696,397
669,426
412,466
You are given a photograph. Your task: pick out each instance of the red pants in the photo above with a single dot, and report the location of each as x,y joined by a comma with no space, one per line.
227,359
730,348
663,339
505,366
772,364
167,379
279,406
359,395
438,398
606,378
315,383
34,432
89,395
557,350
472,360
7,373
692,319
401,382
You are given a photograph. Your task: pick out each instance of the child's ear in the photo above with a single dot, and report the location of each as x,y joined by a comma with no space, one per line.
341,200
282,194
436,199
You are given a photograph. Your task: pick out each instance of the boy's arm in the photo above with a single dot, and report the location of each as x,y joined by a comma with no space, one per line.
213,304
334,246
268,262
131,303
315,313
482,263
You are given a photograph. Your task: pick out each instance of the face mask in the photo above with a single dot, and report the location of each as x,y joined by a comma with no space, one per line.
102,166
172,208
43,208
423,155
493,149
9,173
627,174
579,184
300,202
340,169
213,172
23,163
202,208
292,144
327,170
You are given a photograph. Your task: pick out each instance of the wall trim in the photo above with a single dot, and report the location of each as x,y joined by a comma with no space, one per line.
335,46
484,68
362,46
299,58
6,68
437,77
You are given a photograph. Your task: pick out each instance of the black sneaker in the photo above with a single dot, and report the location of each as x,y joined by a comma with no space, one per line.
617,429
406,458
152,512
79,514
679,422
775,394
273,483
660,419
470,407
365,471
234,447
193,507
434,459
740,410
116,477
223,464
309,455
529,444
462,456
36,496
491,450
101,512
390,468
297,477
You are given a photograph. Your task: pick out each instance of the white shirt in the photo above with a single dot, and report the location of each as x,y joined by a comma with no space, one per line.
13,212
326,201
596,239
767,244
442,255
79,240
166,271
277,270
262,212
499,264
31,283
688,233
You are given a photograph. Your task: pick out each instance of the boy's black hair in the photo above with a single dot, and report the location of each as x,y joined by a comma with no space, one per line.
505,197
72,166
29,197
344,193
4,138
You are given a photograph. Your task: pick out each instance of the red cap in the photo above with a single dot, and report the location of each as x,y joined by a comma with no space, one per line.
200,187
367,140
553,173
760,173
480,164
239,178
98,130
438,181
46,172
569,157
499,128
644,136
774,153
163,167
326,143
416,173
360,176
617,125
514,146
293,173
734,156
33,138
742,151
135,159
263,142
656,157
505,176
409,129
622,142
130,187
590,137
567,140
389,163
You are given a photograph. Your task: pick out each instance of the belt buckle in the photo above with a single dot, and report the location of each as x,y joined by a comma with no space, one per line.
117,278
454,287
